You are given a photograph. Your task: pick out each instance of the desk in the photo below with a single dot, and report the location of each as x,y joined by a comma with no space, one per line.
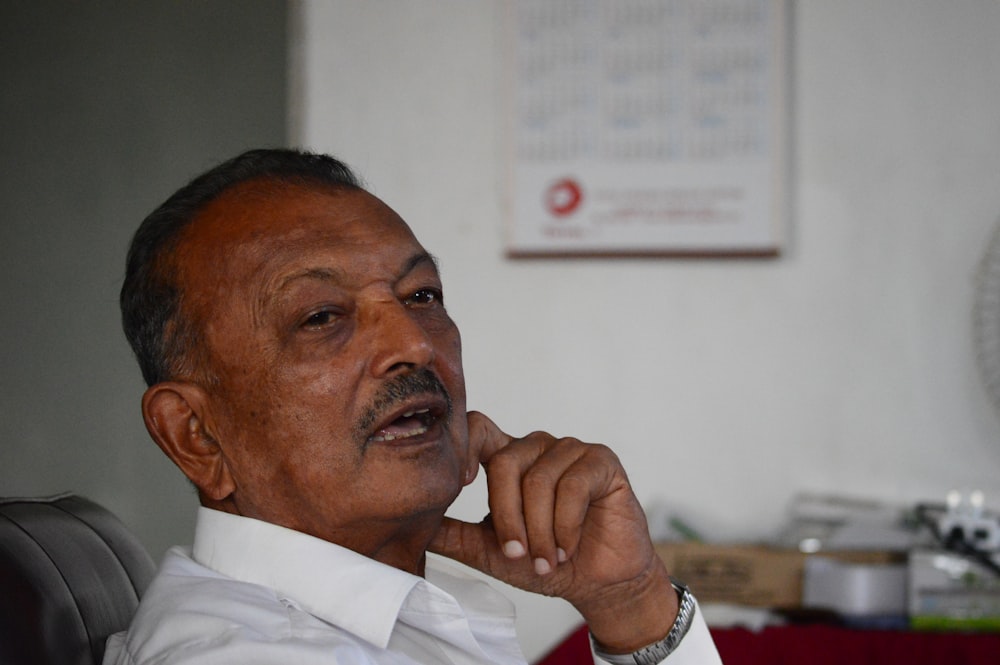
823,645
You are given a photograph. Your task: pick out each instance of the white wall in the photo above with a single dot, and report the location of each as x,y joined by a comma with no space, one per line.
726,386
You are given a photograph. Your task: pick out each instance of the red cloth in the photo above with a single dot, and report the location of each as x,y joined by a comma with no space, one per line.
574,650
823,645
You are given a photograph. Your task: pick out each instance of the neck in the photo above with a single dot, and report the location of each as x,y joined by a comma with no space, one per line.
401,543
406,549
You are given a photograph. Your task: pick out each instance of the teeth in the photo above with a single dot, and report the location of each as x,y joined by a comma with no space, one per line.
392,437
416,431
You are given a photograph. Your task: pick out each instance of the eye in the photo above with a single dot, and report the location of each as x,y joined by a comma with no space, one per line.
426,297
319,319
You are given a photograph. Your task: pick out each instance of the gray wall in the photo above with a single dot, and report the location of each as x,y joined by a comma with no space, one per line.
106,108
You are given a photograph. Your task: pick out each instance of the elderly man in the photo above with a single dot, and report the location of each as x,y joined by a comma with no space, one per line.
305,376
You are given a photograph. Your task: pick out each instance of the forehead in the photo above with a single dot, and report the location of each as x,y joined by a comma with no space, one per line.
259,230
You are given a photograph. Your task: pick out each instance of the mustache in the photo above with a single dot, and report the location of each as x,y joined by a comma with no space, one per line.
420,381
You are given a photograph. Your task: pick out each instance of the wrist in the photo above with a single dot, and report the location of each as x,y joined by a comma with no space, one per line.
635,614
657,651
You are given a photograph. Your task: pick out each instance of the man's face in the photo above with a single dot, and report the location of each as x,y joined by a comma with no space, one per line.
336,391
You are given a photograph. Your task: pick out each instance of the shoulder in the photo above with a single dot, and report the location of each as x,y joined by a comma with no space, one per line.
191,614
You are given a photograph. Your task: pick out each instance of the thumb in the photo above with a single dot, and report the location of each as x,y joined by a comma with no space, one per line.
467,543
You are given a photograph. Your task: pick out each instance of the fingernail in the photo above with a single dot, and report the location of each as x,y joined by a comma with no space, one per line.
561,555
513,549
542,567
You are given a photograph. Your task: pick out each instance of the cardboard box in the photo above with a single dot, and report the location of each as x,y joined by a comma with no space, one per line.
753,575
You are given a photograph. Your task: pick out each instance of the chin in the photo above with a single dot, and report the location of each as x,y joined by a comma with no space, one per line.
436,497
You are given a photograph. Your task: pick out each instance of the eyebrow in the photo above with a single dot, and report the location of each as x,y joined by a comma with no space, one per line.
418,259
338,275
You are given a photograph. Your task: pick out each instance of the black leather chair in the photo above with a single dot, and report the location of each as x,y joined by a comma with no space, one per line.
70,575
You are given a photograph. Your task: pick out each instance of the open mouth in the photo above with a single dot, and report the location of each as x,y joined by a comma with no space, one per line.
411,423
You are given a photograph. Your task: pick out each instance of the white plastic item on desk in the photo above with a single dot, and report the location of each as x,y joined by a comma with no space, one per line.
854,590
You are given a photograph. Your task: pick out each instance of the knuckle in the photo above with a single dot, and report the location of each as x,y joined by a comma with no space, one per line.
537,480
603,453
574,482
569,441
503,462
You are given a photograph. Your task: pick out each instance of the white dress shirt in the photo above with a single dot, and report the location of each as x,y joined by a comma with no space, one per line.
251,592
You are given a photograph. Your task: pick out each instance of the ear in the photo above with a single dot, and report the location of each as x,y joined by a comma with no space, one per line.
176,415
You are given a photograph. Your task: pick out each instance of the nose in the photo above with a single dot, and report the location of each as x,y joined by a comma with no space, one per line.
398,341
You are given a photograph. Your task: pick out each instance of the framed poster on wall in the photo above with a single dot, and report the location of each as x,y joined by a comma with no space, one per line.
646,127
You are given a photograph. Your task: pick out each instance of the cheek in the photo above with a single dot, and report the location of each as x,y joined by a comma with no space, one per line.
290,446
450,370
449,346
281,402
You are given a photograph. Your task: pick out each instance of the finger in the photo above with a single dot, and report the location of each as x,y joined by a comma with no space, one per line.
540,489
485,438
505,470
475,545
583,482
463,542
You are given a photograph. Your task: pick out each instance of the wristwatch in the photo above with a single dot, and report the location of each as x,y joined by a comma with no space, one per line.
657,651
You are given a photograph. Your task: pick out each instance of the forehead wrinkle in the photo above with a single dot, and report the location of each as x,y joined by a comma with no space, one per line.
321,274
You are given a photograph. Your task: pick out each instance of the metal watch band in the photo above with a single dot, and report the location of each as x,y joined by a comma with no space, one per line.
656,652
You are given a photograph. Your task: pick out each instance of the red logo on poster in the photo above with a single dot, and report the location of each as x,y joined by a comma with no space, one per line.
563,197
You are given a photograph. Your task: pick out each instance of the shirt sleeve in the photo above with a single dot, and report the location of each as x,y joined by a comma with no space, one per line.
697,647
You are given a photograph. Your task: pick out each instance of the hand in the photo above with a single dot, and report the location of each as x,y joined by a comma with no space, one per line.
564,522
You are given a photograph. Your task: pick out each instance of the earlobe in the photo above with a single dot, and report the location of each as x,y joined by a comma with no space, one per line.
176,416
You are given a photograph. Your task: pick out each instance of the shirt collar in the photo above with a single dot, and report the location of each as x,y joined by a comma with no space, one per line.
285,560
